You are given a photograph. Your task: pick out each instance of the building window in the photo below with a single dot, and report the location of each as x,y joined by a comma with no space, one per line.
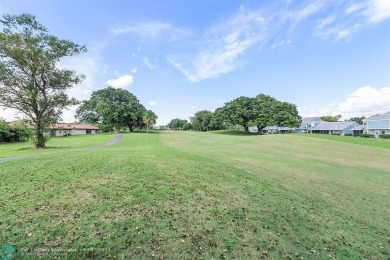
383,132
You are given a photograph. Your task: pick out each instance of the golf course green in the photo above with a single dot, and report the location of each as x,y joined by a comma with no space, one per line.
197,195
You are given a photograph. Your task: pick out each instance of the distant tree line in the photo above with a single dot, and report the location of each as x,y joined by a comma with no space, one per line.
260,111
357,119
114,110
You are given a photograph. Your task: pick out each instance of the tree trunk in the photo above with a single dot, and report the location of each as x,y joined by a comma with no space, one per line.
40,137
131,128
246,129
147,130
259,129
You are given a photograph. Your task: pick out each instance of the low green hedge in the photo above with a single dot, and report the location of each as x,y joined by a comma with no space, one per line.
366,136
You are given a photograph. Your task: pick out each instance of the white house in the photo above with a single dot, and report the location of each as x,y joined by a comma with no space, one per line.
64,129
378,124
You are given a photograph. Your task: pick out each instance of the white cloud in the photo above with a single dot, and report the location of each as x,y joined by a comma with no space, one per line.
152,103
308,10
121,82
134,70
365,101
152,30
348,19
378,10
222,45
280,43
148,64
354,8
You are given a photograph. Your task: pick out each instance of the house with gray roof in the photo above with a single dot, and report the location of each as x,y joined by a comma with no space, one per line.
307,124
380,124
336,128
358,130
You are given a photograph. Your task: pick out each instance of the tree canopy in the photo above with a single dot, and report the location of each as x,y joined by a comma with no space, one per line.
239,111
177,124
330,118
31,82
149,118
357,119
260,111
112,109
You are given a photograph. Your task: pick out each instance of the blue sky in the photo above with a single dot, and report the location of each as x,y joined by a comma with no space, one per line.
179,57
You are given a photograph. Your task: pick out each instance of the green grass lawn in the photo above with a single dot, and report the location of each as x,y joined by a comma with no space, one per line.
54,144
375,142
200,195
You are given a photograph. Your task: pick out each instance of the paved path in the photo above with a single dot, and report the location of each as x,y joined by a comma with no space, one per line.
117,139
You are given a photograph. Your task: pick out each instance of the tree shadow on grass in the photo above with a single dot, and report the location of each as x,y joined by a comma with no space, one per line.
234,132
143,132
44,148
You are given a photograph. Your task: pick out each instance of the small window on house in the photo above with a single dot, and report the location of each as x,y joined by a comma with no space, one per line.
383,132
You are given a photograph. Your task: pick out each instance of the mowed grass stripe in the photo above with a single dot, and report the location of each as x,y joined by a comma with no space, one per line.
192,195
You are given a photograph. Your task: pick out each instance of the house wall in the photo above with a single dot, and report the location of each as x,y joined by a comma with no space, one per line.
62,132
348,130
377,127
377,132
378,124
306,127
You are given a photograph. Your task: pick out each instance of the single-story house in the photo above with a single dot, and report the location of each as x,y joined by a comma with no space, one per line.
307,124
358,130
64,129
340,128
378,124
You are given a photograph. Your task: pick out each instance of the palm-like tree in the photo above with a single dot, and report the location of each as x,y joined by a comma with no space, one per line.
149,118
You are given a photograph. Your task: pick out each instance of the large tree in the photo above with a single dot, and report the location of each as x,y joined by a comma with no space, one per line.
264,107
113,109
30,82
239,111
202,120
286,115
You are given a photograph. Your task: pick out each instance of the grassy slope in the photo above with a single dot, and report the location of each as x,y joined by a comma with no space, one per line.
203,196
54,144
375,142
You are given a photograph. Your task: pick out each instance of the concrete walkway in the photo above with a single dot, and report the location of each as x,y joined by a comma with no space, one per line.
117,139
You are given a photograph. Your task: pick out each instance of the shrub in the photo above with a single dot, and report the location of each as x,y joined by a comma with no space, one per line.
384,136
366,136
348,135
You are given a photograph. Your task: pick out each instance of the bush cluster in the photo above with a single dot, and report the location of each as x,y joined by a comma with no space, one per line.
366,136
384,136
